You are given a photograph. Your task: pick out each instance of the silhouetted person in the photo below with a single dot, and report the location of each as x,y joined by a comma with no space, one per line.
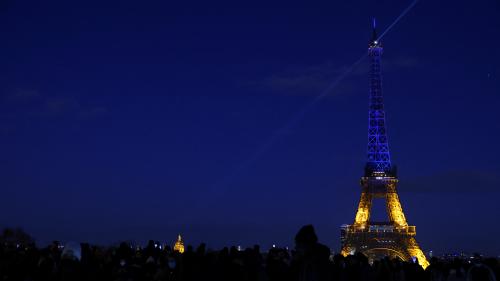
311,259
277,268
309,262
480,272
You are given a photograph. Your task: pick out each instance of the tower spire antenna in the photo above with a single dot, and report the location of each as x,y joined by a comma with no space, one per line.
374,32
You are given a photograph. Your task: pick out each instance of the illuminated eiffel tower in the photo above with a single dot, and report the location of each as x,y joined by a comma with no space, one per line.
393,238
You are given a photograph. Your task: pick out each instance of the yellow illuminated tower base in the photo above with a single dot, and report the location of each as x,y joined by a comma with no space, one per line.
394,238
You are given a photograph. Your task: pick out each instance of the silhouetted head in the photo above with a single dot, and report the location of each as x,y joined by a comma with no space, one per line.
361,258
72,250
256,248
480,272
306,237
151,244
201,249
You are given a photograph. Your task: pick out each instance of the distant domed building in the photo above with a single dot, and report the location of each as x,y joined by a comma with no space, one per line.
179,245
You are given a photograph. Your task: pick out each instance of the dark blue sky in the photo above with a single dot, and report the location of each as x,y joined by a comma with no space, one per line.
138,120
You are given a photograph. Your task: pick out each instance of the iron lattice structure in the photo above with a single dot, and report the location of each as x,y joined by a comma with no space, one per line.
379,158
394,237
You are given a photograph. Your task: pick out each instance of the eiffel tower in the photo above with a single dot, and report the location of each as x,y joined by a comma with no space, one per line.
393,238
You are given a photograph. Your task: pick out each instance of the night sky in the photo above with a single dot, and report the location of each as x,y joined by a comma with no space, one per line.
136,120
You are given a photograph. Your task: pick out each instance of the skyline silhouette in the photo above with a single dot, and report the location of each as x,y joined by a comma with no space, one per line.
133,122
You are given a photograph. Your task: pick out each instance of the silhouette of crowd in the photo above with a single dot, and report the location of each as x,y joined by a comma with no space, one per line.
309,261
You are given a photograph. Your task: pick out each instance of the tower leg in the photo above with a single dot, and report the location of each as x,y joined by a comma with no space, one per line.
394,209
364,207
415,251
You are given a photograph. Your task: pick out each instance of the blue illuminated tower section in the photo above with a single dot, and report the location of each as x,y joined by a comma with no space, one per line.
379,159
